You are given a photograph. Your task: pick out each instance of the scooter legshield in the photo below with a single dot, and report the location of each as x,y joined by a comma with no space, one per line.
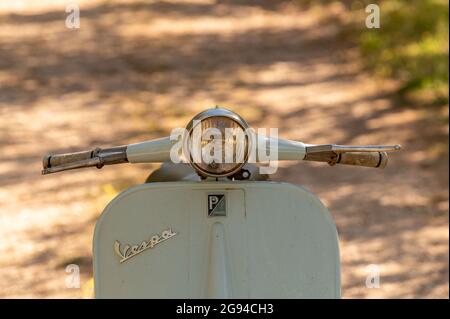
216,240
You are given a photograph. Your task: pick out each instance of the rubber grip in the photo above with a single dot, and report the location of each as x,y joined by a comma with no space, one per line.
67,158
368,159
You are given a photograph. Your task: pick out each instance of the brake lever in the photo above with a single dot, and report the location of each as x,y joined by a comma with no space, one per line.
350,148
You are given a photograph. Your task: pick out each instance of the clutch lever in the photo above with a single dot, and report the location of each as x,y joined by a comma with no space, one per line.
368,156
351,148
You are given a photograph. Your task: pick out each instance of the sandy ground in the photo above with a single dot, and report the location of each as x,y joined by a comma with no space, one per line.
136,69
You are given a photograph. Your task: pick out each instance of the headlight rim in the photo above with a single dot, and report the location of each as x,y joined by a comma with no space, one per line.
206,114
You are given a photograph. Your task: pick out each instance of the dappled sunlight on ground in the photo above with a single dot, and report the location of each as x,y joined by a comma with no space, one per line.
137,69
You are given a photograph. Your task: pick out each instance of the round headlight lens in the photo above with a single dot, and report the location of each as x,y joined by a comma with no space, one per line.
216,143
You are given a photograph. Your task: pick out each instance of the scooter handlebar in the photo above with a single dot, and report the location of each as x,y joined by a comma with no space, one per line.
159,150
152,151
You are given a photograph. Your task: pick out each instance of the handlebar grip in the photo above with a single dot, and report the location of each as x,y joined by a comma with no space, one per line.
97,157
66,158
368,159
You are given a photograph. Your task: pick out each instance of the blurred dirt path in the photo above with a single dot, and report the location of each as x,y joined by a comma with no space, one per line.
136,69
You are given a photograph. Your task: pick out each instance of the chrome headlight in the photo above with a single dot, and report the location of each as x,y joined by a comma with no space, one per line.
216,143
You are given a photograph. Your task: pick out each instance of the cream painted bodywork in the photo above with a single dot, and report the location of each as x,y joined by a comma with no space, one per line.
157,151
277,241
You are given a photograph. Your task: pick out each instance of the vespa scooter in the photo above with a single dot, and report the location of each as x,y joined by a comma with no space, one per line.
205,227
